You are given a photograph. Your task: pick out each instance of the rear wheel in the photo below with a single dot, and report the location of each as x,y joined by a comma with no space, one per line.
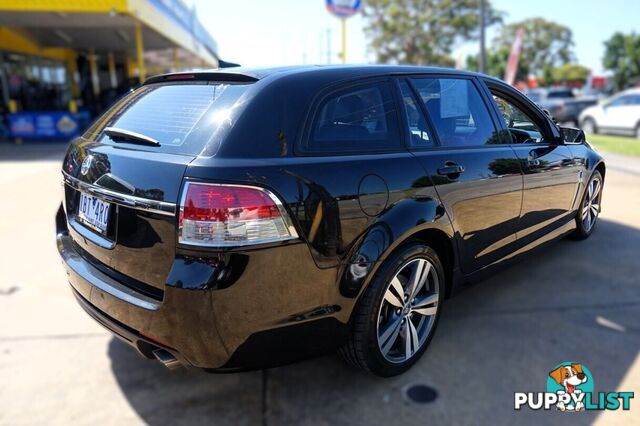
590,207
589,126
398,313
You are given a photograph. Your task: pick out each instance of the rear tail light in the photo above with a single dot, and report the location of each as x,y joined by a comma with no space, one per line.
216,215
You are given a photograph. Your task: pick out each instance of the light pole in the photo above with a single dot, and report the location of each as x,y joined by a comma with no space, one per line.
343,9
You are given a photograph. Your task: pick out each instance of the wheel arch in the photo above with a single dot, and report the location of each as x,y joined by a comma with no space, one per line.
443,245
437,233
601,168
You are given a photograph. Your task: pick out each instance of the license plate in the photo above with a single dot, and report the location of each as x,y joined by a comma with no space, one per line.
93,212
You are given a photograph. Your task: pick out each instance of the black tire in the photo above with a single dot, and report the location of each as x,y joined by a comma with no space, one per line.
584,228
637,132
362,349
589,126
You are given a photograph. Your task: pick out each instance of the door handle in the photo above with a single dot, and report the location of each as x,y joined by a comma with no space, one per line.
450,168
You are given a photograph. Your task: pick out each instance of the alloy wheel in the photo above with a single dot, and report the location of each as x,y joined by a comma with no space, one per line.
408,310
588,126
591,204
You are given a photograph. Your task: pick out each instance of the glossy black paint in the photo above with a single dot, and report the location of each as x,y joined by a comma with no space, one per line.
245,307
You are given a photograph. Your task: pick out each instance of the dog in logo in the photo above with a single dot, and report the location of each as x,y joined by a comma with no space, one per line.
569,376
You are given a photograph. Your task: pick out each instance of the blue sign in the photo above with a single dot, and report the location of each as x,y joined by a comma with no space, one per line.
43,125
343,8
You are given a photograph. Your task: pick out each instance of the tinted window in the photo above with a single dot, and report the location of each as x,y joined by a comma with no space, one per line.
457,111
415,119
560,94
621,101
182,117
361,118
522,127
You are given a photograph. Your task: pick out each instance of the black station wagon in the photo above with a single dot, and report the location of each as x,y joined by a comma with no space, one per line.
245,218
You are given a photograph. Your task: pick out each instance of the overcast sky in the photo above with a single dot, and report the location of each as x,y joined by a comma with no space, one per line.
285,32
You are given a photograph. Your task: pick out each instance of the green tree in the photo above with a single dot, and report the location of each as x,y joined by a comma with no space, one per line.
622,56
545,45
497,64
422,32
569,73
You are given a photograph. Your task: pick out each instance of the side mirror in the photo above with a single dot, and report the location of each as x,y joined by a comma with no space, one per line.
572,135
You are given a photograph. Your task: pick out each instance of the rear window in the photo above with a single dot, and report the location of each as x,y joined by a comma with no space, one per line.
560,94
182,117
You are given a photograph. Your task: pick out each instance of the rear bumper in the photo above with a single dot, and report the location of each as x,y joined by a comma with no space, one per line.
143,345
189,334
276,312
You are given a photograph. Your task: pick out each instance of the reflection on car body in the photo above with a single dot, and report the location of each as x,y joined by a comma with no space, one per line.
284,213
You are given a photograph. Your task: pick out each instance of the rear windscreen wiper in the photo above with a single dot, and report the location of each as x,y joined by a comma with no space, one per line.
122,135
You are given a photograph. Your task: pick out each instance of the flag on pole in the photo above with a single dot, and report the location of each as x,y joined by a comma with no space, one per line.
514,57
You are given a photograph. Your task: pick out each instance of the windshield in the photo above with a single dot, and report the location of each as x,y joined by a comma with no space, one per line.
181,117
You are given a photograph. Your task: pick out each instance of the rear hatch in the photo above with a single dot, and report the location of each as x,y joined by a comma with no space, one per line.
122,185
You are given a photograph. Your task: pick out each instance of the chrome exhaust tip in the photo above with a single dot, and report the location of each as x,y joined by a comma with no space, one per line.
165,357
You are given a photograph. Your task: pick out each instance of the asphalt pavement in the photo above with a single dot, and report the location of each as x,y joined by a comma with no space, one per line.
574,301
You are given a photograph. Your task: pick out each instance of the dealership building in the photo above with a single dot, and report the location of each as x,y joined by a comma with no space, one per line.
64,61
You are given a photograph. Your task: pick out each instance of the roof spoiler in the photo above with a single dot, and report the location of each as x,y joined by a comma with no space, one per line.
202,76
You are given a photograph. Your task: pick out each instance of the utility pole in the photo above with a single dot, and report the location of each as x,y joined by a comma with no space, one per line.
482,58
328,46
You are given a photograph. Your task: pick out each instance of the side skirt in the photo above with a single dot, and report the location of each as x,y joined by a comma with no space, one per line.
519,255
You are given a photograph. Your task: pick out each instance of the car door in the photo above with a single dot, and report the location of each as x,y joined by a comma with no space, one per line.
632,114
476,174
616,115
551,176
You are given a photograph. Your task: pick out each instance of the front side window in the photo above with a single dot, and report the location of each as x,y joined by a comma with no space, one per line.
522,127
360,118
458,114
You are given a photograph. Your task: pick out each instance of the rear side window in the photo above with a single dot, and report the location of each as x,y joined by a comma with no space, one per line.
357,119
182,117
458,113
418,131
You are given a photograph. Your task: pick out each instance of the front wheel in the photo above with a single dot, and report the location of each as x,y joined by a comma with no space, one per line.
589,209
397,315
589,126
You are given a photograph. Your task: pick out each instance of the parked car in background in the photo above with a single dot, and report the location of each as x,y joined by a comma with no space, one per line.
620,115
247,218
561,102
